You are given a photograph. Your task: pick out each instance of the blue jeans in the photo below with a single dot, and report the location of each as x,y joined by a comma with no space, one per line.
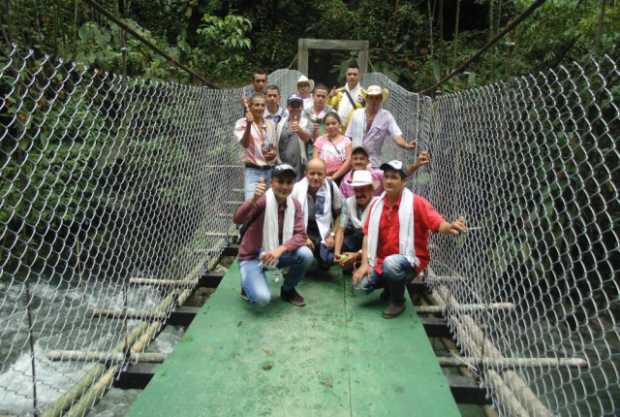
395,268
254,282
251,177
326,255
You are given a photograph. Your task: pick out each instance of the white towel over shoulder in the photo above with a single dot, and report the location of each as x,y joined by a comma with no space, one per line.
406,232
323,220
358,223
270,223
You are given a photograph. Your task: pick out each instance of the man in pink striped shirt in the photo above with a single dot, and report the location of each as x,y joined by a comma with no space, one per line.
257,137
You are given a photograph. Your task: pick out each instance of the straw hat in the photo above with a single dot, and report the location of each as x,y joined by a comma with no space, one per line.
304,79
375,90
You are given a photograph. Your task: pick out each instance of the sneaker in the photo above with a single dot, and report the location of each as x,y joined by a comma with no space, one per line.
393,310
244,296
293,297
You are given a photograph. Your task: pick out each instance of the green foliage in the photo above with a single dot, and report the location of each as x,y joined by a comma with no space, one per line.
222,45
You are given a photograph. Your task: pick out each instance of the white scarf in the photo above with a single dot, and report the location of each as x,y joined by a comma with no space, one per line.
406,232
270,223
323,220
344,105
352,205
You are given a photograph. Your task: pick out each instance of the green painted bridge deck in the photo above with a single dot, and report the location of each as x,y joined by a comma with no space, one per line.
335,357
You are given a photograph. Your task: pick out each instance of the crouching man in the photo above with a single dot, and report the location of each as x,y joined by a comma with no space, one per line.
275,237
395,246
350,231
321,202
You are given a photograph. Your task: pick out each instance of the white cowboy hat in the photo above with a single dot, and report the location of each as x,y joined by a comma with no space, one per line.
375,90
362,178
304,79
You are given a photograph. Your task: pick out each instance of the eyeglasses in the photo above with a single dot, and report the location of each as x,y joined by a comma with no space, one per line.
295,104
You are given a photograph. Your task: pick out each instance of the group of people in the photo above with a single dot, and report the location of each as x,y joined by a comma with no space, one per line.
316,191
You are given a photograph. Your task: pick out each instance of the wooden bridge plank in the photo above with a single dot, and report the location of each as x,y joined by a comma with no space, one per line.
335,357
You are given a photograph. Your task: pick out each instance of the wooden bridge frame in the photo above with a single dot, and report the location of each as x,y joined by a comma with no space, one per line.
305,44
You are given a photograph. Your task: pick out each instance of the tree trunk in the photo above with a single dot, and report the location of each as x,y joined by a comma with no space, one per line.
491,19
599,27
441,31
192,27
431,15
455,40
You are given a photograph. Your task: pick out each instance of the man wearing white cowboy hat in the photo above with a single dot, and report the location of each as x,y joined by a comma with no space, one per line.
304,89
350,233
372,125
396,232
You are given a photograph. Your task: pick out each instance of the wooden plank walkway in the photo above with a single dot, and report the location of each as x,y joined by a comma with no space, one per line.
336,357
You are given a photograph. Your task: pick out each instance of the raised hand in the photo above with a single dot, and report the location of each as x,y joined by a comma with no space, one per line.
270,155
294,126
261,187
423,159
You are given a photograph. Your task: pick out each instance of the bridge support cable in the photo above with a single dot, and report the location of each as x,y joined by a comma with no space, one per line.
507,29
148,43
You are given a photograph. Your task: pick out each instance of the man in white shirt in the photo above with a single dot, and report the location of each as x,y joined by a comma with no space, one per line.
371,126
273,110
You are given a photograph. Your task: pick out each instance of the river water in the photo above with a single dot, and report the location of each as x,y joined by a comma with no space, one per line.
53,378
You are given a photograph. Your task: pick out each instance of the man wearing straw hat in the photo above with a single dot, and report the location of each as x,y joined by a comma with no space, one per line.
396,232
350,233
371,126
304,89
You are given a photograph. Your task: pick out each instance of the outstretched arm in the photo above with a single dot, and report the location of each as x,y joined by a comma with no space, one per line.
400,141
454,228
423,159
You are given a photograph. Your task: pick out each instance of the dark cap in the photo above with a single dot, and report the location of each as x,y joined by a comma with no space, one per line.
294,98
283,170
394,165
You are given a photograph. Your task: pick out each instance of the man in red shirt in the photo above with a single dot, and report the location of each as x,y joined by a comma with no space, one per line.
395,246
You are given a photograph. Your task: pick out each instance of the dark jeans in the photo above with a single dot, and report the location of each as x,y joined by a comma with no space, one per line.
353,239
396,270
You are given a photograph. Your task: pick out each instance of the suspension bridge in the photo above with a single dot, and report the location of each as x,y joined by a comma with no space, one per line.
116,204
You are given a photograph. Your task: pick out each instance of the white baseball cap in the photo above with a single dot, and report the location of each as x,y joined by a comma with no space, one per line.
394,165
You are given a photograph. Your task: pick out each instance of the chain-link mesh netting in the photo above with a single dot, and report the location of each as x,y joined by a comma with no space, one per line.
533,164
106,178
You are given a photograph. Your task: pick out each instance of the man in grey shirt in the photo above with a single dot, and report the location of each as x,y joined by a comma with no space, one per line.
293,135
